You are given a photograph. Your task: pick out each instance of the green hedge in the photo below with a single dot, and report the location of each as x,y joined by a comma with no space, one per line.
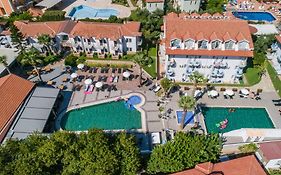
274,78
53,15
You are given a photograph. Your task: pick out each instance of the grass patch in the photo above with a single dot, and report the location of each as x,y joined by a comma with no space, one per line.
151,69
274,78
253,76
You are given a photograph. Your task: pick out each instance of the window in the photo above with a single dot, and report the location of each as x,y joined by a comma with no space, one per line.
203,44
129,48
229,45
215,44
64,37
175,43
128,40
189,44
243,45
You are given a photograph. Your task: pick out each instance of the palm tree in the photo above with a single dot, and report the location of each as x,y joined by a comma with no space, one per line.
166,85
17,37
186,103
32,58
46,41
196,78
3,60
142,60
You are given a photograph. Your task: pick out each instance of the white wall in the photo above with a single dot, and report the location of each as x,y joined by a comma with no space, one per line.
152,6
189,5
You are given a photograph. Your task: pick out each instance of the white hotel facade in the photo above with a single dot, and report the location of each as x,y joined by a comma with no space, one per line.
80,37
214,45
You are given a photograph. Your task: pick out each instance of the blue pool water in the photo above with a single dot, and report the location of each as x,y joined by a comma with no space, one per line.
189,117
82,12
255,16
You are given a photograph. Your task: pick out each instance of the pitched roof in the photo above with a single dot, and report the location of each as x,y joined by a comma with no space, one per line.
86,29
241,166
206,29
13,91
271,150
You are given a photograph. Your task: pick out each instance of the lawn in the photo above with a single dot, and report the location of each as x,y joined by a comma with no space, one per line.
274,78
253,76
151,69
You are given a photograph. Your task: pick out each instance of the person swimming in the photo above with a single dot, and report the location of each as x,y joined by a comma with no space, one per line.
231,110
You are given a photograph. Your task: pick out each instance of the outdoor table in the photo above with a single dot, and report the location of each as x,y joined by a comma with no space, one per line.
50,83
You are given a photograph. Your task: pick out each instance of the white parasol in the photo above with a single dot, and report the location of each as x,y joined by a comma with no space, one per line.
126,74
229,92
88,81
74,75
99,84
214,93
80,66
245,91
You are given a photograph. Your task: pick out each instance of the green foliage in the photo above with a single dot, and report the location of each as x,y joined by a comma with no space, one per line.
51,59
151,25
248,148
184,152
121,2
70,60
17,37
142,59
253,76
197,77
151,68
31,57
69,153
166,84
262,43
111,19
274,78
213,6
53,15
275,171
187,102
18,16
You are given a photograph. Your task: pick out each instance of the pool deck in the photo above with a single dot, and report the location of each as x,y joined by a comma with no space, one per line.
98,4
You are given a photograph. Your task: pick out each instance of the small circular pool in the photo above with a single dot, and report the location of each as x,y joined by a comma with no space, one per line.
134,100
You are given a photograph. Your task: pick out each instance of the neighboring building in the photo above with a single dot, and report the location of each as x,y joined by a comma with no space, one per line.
6,7
24,107
11,55
188,5
152,5
269,154
88,37
248,165
205,43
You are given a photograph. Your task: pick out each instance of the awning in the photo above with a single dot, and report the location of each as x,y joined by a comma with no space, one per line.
35,113
48,3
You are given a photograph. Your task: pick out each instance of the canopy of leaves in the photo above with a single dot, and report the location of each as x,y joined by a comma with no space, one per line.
248,148
184,152
187,102
142,59
166,84
69,153
197,77
53,15
213,6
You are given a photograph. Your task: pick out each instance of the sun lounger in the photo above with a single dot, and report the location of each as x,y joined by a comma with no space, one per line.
276,101
113,70
156,89
95,70
152,88
116,79
119,70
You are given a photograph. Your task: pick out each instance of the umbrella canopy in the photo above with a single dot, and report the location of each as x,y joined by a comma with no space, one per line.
74,75
88,81
229,92
80,66
126,74
99,84
245,91
214,93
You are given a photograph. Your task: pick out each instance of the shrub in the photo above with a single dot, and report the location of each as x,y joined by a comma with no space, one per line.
71,60
248,148
81,59
53,15
50,59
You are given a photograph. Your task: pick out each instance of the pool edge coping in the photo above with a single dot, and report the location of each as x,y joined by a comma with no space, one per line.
112,99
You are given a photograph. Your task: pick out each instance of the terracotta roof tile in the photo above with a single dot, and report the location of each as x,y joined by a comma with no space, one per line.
240,37
227,37
214,36
86,29
201,36
187,35
248,165
271,150
13,91
35,11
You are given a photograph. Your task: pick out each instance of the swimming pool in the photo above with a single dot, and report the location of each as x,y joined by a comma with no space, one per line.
189,117
113,115
255,16
82,12
237,119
